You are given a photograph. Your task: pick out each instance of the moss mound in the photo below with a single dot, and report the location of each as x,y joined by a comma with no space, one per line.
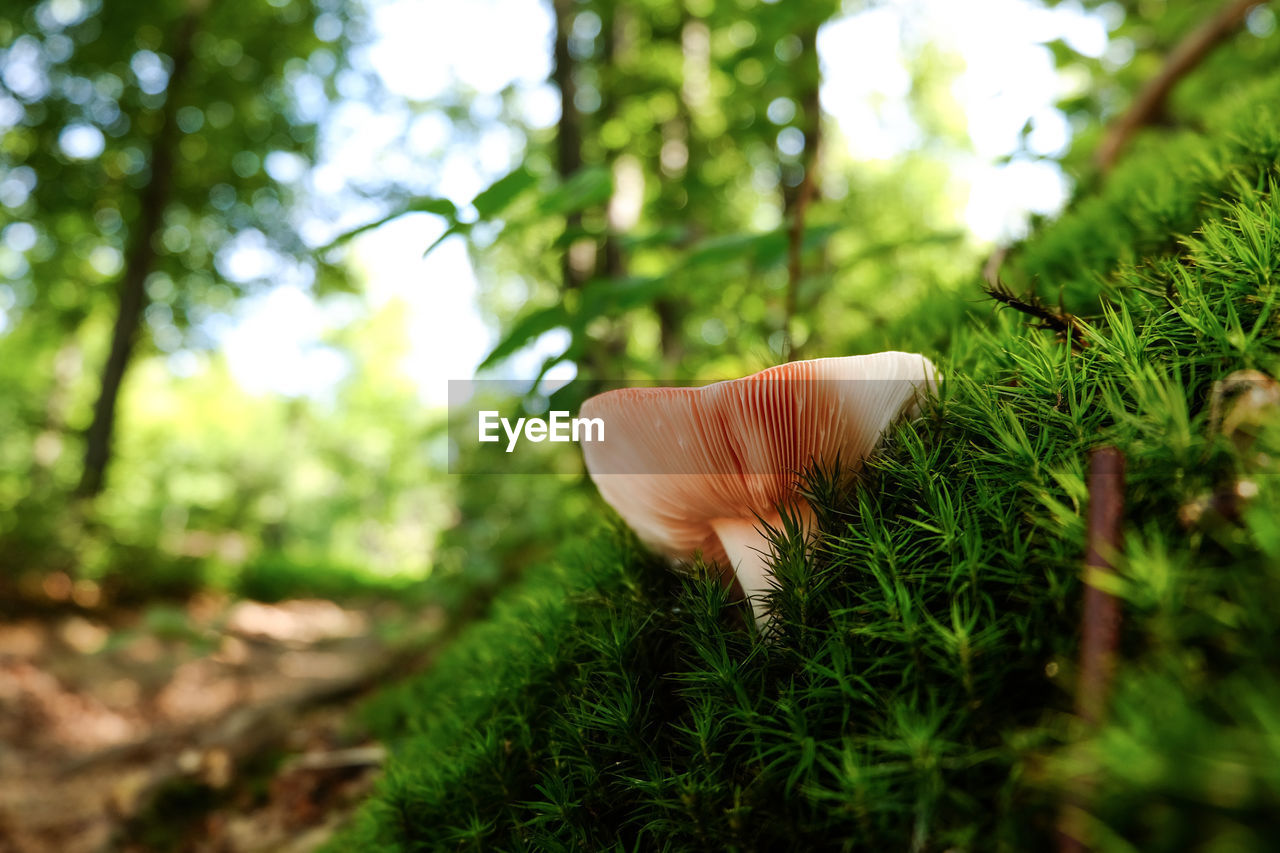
919,693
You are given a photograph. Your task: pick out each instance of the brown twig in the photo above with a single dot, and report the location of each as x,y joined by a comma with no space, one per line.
1064,323
1149,105
1100,623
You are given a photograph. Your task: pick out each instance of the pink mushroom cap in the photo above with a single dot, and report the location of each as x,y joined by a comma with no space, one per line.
697,470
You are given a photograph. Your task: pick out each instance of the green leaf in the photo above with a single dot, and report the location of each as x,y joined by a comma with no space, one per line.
775,250
889,247
499,195
612,295
463,228
525,331
592,185
725,248
550,362
671,235
425,204
438,206
570,235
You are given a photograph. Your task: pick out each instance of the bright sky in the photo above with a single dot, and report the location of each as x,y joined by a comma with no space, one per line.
1008,80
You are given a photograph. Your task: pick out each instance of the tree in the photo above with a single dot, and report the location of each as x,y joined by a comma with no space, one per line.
150,142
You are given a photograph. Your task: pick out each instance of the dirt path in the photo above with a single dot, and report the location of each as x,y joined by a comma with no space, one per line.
218,726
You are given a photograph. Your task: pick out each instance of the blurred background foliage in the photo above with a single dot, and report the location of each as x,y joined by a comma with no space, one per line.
688,213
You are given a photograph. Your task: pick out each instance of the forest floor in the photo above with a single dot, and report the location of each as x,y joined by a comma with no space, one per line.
217,725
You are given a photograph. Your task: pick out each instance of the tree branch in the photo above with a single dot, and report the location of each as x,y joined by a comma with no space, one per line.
1150,102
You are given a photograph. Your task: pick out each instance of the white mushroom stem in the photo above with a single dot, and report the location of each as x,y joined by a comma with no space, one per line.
746,544
748,549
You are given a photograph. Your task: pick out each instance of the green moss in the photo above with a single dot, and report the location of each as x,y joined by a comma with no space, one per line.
918,694
1160,193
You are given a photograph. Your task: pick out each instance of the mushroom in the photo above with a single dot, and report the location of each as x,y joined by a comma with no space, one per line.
707,470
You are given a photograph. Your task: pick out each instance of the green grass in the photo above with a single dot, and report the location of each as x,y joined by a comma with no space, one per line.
918,693
277,576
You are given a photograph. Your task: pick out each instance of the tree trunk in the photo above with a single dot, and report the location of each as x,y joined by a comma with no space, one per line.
612,264
569,129
670,335
139,263
584,256
796,196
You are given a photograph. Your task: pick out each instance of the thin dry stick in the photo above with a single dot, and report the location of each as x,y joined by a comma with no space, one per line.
1148,106
1100,625
1067,325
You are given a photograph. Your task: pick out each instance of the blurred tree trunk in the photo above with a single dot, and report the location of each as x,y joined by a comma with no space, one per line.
800,180
568,132
139,261
579,255
584,256
611,264
679,132
670,333
807,79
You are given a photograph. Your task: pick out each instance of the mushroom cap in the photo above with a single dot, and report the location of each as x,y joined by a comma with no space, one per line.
675,461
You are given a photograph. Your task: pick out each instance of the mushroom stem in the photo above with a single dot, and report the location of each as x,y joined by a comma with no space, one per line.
748,549
747,545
